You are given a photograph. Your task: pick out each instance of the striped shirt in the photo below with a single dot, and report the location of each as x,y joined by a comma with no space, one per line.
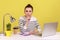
31,25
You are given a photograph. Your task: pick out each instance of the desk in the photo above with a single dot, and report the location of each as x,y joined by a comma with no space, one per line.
31,37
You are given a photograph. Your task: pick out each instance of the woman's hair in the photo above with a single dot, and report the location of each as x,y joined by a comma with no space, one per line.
29,6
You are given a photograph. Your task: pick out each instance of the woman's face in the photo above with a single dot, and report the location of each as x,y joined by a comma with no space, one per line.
28,11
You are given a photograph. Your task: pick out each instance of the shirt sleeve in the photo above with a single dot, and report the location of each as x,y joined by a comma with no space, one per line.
38,26
21,24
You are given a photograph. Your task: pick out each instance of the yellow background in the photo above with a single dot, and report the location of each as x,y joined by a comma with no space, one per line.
44,10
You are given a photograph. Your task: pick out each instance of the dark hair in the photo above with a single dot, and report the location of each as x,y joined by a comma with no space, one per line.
29,6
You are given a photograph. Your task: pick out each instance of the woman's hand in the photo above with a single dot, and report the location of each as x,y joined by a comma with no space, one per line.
31,32
35,32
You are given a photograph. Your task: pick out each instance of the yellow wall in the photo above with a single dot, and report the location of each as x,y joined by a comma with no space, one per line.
44,10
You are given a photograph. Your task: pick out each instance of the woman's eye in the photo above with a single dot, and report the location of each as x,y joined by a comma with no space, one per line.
26,11
29,11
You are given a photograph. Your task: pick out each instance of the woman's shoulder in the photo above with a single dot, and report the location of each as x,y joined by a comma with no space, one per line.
22,18
33,18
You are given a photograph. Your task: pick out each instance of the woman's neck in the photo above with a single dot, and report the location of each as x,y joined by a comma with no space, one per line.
28,17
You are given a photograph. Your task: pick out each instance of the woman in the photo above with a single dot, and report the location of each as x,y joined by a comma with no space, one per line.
27,23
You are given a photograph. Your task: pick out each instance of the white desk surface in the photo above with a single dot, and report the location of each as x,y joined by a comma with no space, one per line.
31,37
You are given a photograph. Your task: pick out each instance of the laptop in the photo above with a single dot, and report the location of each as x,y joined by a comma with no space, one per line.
49,29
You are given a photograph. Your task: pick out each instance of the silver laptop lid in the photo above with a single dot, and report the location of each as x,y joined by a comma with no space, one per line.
49,29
